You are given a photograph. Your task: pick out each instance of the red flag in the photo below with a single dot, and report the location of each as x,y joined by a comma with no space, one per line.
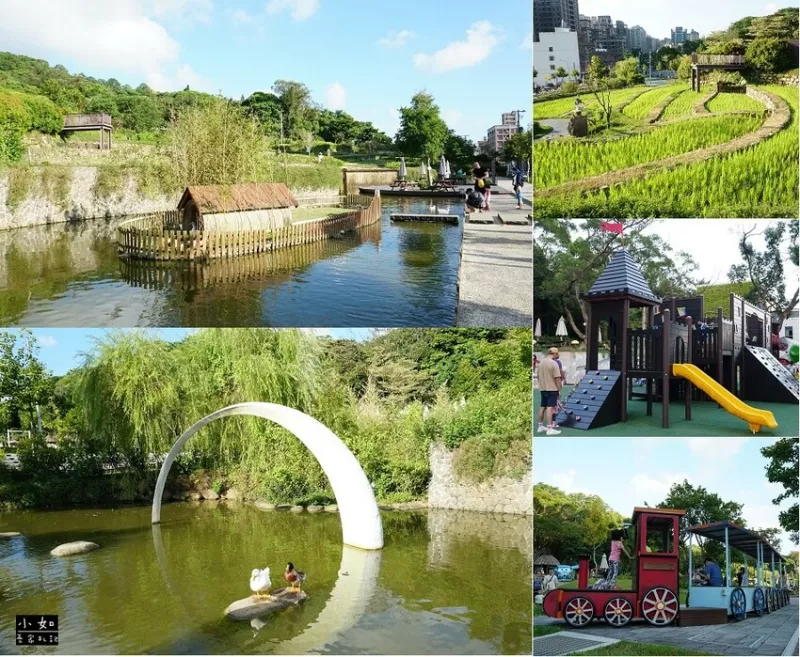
611,227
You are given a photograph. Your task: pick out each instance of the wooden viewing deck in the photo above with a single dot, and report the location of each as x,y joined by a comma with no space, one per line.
88,122
702,63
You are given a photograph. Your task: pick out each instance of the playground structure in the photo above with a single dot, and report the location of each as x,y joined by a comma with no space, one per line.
654,592
768,594
726,360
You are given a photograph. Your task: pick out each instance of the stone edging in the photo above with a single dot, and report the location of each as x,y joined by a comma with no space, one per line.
700,108
777,120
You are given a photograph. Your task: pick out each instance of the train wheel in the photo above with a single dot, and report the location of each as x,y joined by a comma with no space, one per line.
758,601
771,597
768,608
787,596
578,612
618,612
660,606
738,604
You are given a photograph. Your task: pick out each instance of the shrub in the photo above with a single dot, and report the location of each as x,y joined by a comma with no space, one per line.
14,123
43,115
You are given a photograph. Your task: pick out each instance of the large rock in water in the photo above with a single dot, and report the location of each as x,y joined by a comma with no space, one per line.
9,535
76,547
248,608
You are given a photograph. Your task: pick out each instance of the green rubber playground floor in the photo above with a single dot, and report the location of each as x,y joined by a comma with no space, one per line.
708,419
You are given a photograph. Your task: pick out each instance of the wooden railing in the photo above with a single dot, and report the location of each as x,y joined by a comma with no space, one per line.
160,237
718,60
86,120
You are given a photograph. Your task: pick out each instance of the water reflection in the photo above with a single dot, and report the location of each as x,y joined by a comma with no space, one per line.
433,589
383,275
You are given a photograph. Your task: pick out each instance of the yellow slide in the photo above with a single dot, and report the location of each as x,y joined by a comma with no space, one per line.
754,417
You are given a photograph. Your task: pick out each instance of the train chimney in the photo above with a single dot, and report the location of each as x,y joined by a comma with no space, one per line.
583,571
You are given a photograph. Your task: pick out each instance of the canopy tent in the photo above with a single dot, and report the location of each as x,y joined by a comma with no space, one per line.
739,538
546,560
442,167
402,173
537,331
561,328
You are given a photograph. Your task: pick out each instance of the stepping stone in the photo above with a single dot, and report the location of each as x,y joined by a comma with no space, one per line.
297,509
332,508
283,507
264,505
515,218
76,547
314,508
9,534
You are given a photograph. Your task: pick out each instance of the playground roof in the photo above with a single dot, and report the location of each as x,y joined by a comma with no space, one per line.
622,277
738,537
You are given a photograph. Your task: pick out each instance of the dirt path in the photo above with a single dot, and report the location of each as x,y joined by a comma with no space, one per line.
775,122
559,127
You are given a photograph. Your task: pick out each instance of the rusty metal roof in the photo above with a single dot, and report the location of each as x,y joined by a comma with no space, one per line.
235,198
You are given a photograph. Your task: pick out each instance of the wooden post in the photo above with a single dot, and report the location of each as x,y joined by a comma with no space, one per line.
109,138
666,369
720,346
591,336
626,306
687,384
649,396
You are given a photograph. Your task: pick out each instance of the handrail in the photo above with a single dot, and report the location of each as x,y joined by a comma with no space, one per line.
86,120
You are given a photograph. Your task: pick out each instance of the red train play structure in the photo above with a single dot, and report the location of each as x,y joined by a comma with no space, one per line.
682,355
654,594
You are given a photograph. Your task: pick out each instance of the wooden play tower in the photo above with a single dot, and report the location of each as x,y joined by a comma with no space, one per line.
90,122
702,63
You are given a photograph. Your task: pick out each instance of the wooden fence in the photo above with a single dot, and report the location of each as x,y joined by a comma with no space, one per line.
160,237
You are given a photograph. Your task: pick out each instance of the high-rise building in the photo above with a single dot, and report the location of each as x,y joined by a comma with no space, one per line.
694,35
553,50
551,14
637,39
509,118
680,35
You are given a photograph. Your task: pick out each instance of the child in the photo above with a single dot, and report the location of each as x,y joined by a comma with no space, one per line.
613,561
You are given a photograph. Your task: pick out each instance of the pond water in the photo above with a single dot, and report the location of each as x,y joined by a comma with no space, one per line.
385,275
445,583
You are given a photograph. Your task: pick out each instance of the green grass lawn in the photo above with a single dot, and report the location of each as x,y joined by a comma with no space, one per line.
634,648
708,419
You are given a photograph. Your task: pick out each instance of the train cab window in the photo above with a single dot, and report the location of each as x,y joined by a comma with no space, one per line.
660,535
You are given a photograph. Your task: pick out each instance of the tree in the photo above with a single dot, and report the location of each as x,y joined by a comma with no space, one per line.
772,536
766,269
701,507
24,380
266,107
460,150
685,68
783,469
422,131
561,73
769,55
627,70
597,76
296,100
518,147
575,73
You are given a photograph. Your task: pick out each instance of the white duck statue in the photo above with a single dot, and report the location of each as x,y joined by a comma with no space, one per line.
260,582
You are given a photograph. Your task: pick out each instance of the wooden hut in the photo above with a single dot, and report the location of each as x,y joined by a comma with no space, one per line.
250,206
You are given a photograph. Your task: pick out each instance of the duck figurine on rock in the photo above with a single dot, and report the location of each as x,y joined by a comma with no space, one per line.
260,583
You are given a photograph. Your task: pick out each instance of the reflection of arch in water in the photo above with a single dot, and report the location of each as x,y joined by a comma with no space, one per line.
355,585
358,510
151,274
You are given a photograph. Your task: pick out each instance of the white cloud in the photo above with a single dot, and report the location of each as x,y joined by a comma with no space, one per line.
239,16
123,36
47,341
182,77
396,39
300,9
711,449
482,37
335,96
566,482
653,489
770,7
452,118
527,42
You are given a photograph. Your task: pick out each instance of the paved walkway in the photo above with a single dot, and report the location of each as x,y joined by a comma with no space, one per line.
495,279
769,635
559,127
508,185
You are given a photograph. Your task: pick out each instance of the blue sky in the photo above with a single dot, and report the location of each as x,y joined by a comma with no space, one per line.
363,56
629,472
61,349
659,16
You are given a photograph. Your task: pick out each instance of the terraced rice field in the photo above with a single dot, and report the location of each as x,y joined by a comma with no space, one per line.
682,106
558,161
644,104
759,181
551,109
734,103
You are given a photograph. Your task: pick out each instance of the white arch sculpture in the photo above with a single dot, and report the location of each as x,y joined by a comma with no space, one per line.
358,510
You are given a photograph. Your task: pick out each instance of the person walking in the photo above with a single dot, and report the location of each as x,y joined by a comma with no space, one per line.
518,181
549,378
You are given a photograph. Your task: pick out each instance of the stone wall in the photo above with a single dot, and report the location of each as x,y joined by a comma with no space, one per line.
83,203
501,495
352,179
